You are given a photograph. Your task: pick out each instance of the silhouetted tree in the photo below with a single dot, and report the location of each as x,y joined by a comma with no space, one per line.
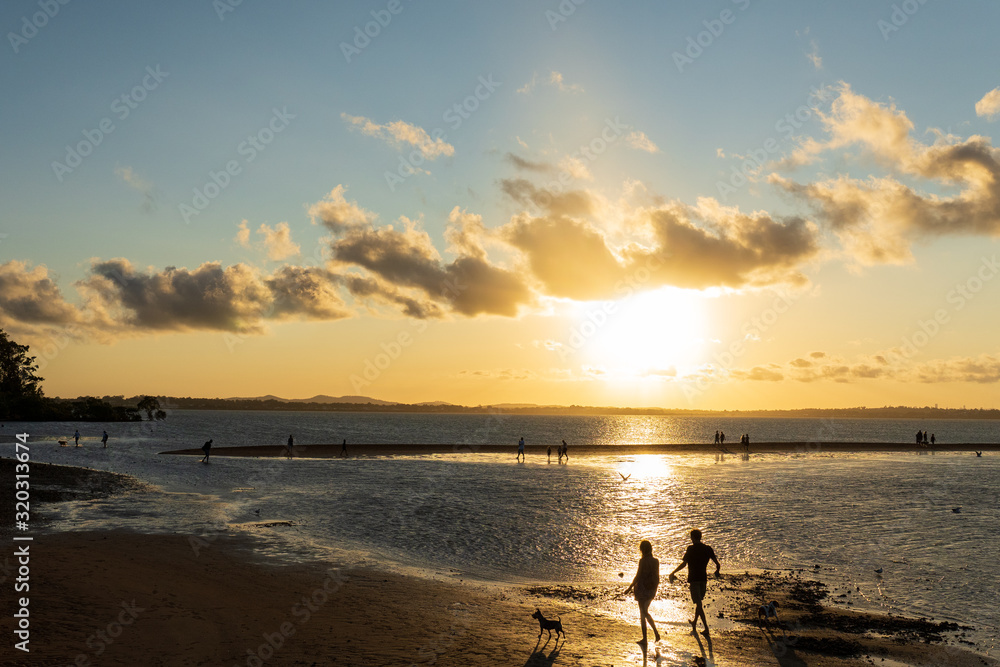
151,406
20,388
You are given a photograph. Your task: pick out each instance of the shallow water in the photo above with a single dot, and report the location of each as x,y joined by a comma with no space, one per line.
487,517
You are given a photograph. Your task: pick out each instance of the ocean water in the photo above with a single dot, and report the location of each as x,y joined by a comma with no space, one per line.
484,516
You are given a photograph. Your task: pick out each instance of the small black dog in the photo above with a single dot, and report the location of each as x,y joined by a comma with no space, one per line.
545,624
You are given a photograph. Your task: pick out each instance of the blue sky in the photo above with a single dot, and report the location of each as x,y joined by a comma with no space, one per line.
558,84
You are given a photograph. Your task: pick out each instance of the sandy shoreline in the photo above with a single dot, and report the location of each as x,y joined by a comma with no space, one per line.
539,451
122,598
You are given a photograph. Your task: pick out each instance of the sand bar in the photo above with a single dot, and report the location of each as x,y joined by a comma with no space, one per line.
539,451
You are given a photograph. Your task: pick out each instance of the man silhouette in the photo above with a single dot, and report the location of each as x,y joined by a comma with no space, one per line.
696,559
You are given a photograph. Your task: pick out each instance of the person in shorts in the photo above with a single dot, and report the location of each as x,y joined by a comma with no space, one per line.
696,559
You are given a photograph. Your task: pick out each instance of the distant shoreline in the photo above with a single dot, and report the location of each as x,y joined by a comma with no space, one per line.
538,452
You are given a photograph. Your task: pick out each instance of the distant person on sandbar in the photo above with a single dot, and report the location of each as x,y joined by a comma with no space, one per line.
520,450
207,448
920,437
696,559
76,437
548,452
925,438
343,449
716,437
104,439
647,579
933,439
746,442
722,438
565,450
288,448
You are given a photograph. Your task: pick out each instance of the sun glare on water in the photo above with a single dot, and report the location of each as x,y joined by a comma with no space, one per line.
658,333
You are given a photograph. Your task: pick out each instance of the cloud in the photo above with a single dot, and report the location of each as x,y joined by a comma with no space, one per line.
984,369
278,241
571,203
339,215
989,106
398,134
576,168
243,234
555,79
28,296
878,217
814,56
144,187
757,374
212,297
524,164
640,141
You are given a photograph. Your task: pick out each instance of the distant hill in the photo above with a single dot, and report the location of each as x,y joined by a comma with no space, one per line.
319,398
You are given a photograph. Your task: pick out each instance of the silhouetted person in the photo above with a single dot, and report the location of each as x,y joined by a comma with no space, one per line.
565,450
343,449
548,452
76,437
104,439
716,437
925,438
207,448
647,578
696,559
288,449
520,450
933,439
920,437
722,438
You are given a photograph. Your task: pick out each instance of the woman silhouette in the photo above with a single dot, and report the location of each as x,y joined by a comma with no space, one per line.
647,579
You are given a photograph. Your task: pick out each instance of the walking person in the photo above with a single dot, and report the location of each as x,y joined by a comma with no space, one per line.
76,437
104,439
207,448
643,586
565,450
548,452
288,449
716,437
520,450
343,449
696,560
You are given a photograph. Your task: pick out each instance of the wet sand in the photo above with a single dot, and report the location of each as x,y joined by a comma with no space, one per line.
320,451
122,598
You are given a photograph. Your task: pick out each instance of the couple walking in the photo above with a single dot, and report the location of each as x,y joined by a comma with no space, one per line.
647,579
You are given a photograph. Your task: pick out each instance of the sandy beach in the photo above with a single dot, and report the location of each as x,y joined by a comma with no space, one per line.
321,451
121,598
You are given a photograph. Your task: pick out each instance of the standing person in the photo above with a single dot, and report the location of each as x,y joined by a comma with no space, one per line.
548,452
104,439
207,448
343,449
933,439
920,437
696,559
647,579
288,449
722,438
520,450
76,437
565,450
716,437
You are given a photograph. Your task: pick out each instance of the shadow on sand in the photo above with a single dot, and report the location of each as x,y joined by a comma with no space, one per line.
782,649
538,657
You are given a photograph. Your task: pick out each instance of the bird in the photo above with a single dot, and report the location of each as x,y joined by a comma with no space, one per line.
624,478
956,510
878,571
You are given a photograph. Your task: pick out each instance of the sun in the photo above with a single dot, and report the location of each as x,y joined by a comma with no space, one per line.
656,333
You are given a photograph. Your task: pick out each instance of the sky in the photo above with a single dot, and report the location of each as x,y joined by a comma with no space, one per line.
732,204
